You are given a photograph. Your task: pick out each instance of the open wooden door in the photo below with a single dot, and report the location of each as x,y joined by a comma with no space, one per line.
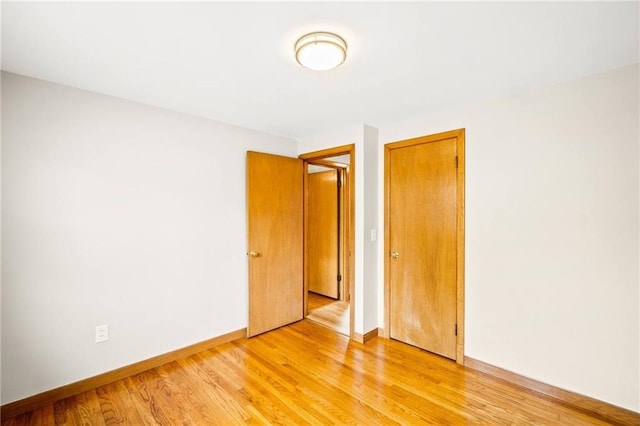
275,241
323,265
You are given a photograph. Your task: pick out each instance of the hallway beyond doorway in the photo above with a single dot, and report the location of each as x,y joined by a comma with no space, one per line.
331,313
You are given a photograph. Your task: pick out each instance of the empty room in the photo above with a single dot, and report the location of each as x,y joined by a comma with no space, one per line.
320,213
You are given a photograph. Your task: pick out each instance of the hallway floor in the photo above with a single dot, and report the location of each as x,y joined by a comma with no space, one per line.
329,312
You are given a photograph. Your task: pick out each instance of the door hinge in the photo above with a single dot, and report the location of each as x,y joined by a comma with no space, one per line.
456,161
339,278
456,329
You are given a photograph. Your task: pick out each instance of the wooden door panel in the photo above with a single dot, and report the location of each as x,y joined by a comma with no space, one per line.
275,241
322,235
422,231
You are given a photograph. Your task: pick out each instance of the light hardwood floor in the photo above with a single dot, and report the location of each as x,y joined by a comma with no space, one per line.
329,312
315,301
306,374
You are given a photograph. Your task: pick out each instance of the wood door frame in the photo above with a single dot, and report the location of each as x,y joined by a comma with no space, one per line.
459,135
319,157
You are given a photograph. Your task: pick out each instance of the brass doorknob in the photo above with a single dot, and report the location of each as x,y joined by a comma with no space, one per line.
253,253
395,254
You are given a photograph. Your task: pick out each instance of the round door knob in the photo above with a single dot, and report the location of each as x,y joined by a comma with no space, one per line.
253,253
395,254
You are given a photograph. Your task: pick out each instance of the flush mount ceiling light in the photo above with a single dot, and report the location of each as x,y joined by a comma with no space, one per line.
321,51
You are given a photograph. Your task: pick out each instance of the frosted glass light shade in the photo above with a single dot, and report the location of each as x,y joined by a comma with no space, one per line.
321,51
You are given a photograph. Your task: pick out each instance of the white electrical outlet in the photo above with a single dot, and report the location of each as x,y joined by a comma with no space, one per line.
102,333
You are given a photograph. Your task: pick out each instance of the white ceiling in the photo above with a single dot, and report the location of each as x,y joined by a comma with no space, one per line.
233,62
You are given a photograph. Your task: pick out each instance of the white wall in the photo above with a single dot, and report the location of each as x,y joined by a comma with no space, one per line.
371,276
552,225
116,213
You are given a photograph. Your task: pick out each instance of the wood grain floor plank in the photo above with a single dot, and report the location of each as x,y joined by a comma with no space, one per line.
42,416
88,409
141,388
251,388
64,411
280,385
315,300
311,389
308,360
331,313
208,397
307,374
375,389
240,387
117,405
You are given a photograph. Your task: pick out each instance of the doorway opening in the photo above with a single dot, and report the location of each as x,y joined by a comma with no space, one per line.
328,254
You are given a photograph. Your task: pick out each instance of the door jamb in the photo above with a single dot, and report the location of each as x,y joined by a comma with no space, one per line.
318,157
459,134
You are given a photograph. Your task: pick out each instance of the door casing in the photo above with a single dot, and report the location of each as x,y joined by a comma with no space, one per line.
459,134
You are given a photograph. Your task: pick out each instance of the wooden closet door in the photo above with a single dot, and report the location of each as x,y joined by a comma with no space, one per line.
423,240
